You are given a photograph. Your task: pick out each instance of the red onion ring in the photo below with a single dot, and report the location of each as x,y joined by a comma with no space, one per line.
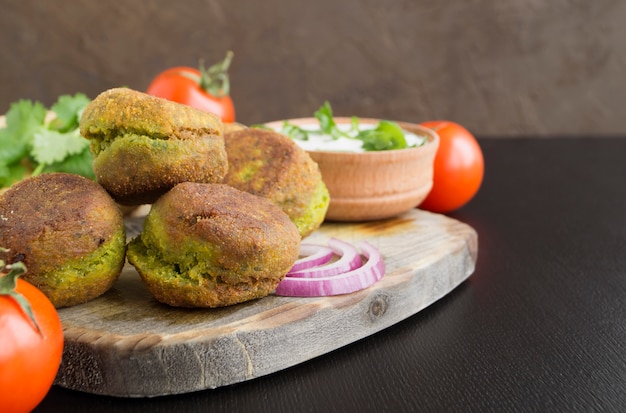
313,256
344,283
349,260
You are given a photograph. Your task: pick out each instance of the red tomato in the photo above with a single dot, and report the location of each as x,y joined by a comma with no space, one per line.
202,89
29,360
458,169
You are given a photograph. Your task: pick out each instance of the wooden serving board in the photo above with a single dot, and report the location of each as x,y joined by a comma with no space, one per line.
127,344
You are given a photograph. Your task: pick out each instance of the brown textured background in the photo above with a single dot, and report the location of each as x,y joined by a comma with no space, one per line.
506,68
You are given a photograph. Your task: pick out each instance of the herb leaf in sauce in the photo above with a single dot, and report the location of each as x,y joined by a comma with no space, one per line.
386,136
327,122
325,117
295,132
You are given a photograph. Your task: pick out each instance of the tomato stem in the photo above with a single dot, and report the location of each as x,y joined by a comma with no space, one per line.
9,273
214,80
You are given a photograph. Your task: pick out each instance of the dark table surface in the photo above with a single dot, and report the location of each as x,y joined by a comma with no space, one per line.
539,327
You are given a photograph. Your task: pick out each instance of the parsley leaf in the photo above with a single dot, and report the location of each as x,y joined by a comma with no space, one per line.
325,117
9,174
79,164
327,122
29,145
24,117
68,110
22,120
386,136
50,146
295,132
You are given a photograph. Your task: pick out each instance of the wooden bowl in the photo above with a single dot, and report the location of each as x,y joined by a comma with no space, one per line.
366,186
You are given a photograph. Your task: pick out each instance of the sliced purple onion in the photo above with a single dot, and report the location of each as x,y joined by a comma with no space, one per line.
313,255
349,259
343,283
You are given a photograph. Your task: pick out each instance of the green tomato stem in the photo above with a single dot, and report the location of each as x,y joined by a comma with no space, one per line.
8,283
215,80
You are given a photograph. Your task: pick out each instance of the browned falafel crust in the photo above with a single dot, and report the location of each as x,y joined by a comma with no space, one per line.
233,127
211,245
271,165
144,145
68,232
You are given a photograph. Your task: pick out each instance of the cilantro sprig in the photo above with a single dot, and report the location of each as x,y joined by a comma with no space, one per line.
387,135
29,145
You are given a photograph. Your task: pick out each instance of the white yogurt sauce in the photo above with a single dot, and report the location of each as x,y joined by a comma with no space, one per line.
324,142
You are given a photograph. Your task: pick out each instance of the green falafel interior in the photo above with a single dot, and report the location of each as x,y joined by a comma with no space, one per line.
211,245
80,280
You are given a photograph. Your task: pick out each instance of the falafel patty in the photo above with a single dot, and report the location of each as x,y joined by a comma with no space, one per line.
69,233
211,245
269,164
144,145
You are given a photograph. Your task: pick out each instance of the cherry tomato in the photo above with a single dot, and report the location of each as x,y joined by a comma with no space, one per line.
458,169
204,89
29,357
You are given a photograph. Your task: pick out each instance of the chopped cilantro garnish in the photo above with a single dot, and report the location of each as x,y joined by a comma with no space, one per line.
325,117
327,122
295,132
386,135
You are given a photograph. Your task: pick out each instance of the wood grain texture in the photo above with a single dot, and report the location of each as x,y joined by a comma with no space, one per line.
127,344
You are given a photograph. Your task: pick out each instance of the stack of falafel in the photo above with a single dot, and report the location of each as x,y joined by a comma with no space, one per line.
228,208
